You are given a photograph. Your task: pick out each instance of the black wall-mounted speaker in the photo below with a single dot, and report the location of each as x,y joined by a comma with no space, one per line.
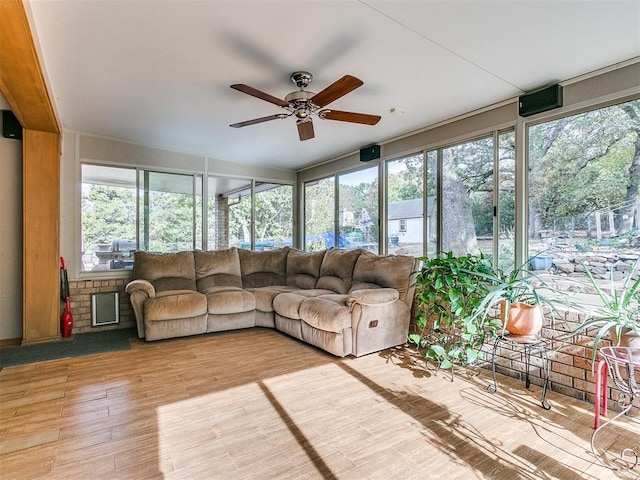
540,101
11,127
369,153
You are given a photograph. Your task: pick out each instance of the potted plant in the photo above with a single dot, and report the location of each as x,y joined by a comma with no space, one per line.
448,292
618,311
522,297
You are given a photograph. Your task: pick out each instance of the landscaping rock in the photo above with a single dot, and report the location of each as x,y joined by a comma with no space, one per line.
565,267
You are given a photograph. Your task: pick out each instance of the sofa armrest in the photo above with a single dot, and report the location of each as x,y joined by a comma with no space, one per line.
379,320
139,291
143,286
373,296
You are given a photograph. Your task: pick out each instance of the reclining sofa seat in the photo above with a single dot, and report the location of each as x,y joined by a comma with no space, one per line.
164,298
345,302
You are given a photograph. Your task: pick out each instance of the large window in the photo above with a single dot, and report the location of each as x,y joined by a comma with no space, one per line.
168,211
584,176
128,209
358,210
472,184
506,200
222,195
405,206
431,217
232,217
108,223
124,210
357,206
240,221
274,215
459,198
319,217
467,197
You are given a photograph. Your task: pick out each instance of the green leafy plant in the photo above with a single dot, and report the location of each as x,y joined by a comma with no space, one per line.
619,308
448,291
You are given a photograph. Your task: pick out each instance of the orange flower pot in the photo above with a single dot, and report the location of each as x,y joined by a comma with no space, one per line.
523,319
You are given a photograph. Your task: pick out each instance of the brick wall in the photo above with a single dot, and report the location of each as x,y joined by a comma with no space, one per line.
222,223
569,361
80,292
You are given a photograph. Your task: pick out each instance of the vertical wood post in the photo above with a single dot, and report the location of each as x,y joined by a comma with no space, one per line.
41,236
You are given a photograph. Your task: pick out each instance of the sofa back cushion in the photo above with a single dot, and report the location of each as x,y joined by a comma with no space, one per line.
263,269
218,268
303,268
165,271
336,270
385,271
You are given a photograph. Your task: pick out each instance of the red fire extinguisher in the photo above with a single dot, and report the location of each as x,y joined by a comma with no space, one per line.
66,318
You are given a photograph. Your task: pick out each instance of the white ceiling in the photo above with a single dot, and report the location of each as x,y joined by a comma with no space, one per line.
157,73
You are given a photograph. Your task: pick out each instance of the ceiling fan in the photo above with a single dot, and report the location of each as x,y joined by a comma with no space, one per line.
304,104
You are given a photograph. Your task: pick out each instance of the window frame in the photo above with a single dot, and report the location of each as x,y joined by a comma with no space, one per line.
200,215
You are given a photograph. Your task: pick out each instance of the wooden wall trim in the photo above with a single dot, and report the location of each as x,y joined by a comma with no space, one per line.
23,85
21,79
41,236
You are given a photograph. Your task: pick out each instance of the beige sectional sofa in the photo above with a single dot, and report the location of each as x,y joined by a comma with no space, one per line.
347,302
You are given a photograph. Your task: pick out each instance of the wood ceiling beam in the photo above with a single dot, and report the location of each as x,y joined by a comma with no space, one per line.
21,78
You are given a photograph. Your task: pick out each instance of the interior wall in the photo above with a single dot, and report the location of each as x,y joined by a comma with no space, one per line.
10,235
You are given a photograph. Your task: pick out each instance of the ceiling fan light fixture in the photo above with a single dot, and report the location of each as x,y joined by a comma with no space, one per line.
303,113
301,79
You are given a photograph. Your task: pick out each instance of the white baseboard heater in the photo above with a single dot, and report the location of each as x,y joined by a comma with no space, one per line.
105,309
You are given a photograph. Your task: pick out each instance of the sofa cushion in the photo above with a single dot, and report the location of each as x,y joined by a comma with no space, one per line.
263,269
303,268
225,300
383,271
288,304
166,271
336,270
217,268
264,296
327,312
170,305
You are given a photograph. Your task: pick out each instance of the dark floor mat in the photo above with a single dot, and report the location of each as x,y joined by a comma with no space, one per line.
81,344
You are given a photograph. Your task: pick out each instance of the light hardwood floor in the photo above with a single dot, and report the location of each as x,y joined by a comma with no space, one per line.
255,404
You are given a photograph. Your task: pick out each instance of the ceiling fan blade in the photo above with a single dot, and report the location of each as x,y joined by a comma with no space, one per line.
241,87
336,90
351,117
258,120
305,129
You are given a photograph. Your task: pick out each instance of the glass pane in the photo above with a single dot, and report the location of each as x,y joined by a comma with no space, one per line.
432,204
274,216
405,230
223,194
239,210
167,212
319,207
506,200
584,173
467,198
358,210
108,217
